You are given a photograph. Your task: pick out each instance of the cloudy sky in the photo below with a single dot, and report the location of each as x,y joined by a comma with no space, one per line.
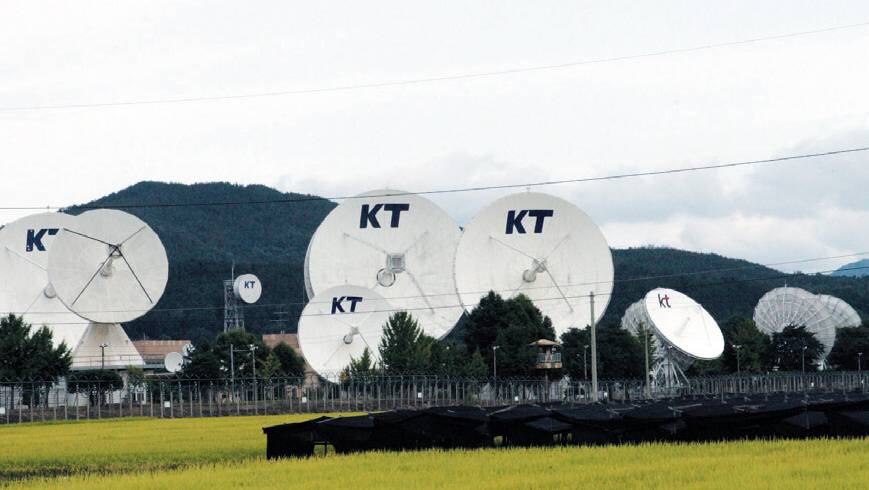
799,94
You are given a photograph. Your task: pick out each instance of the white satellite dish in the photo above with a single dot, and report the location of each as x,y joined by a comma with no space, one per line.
25,289
844,315
402,246
543,247
337,326
108,266
173,362
789,306
248,288
682,331
683,324
106,344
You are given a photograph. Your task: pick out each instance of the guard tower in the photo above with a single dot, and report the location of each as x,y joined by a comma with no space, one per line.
548,359
548,354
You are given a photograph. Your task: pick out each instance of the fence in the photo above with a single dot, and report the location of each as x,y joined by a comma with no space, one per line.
174,397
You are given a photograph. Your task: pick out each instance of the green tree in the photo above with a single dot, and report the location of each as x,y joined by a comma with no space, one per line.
453,359
475,367
785,349
850,343
135,376
203,364
620,354
27,354
360,368
241,342
404,348
94,383
292,364
752,346
270,367
511,325
575,356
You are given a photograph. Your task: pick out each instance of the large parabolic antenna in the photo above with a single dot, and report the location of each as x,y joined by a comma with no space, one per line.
682,331
24,286
820,314
338,324
106,344
108,266
401,246
543,247
844,315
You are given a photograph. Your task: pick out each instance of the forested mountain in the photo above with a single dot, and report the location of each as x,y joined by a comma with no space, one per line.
202,243
270,240
732,290
854,269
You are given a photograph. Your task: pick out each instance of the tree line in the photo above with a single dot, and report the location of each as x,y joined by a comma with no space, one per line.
497,332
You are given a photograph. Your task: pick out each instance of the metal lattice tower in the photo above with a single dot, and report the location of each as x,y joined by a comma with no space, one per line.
233,314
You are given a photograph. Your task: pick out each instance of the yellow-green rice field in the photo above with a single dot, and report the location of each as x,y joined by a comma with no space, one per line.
229,452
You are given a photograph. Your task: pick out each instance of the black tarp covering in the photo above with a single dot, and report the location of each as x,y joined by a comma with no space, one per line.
684,419
593,424
849,423
806,424
349,434
293,440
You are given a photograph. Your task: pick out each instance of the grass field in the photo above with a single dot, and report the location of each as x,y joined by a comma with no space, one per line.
228,452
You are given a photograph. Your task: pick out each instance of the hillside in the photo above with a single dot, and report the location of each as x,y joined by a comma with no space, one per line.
270,240
854,269
202,242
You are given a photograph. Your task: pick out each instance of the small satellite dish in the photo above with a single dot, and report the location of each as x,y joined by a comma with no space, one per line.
187,350
337,326
173,362
248,288
400,245
108,266
543,247
682,332
789,306
25,289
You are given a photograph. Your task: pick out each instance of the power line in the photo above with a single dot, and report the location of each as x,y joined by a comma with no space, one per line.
647,173
427,80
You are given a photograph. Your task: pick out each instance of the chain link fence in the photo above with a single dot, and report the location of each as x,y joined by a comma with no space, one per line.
175,397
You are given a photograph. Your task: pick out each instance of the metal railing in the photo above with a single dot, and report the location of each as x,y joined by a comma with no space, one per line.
172,397
548,358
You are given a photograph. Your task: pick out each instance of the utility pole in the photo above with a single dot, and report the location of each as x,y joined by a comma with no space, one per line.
495,362
859,363
232,368
253,360
646,355
594,395
804,358
103,355
737,348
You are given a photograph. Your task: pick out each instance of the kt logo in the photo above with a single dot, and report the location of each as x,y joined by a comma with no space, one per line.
34,238
514,219
338,303
664,301
369,214
249,284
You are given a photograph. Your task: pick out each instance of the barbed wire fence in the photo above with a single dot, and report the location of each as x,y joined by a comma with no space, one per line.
29,400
